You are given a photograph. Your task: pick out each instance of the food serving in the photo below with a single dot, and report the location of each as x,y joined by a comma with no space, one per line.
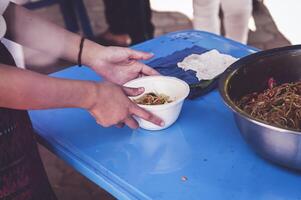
163,96
277,105
152,98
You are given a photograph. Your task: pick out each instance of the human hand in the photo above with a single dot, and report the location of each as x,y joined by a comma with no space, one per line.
113,107
120,65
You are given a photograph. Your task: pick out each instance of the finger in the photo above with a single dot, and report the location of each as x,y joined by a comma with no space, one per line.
133,91
95,118
120,125
139,55
146,70
131,122
146,115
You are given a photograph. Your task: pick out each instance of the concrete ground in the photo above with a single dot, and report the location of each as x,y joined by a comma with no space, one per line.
66,182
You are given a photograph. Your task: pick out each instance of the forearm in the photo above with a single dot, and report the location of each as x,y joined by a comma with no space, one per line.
34,32
23,89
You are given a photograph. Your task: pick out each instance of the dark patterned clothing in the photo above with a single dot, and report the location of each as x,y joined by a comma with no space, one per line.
22,176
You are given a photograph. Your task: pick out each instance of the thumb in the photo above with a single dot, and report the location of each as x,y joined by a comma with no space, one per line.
133,91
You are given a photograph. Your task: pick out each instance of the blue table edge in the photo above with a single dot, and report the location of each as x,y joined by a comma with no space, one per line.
79,165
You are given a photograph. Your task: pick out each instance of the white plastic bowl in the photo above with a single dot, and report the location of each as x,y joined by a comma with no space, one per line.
173,87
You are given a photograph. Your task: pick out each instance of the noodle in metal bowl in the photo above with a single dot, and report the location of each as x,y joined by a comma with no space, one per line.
277,105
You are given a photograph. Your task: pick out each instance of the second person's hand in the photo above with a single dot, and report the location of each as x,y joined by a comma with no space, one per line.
117,64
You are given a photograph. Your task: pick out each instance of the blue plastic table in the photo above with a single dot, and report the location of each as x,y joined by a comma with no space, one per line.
204,145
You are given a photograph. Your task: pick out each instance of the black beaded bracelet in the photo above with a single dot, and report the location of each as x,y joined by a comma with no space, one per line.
79,57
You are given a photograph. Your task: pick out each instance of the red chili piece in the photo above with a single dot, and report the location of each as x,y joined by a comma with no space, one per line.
271,82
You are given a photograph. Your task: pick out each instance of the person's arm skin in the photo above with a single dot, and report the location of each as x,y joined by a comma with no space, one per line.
115,64
23,89
32,31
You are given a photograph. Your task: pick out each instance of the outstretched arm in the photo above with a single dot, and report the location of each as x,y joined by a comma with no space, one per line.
24,89
32,31
116,64
107,102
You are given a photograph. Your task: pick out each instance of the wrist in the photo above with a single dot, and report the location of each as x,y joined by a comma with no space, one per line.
80,51
90,53
89,96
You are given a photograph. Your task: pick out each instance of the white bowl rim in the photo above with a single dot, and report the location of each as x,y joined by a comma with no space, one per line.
163,106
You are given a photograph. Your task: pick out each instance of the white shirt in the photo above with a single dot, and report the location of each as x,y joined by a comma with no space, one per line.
3,6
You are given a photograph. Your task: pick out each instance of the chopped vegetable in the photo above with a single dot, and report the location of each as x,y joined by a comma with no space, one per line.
153,99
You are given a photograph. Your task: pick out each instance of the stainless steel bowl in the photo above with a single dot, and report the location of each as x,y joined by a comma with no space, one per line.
251,74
